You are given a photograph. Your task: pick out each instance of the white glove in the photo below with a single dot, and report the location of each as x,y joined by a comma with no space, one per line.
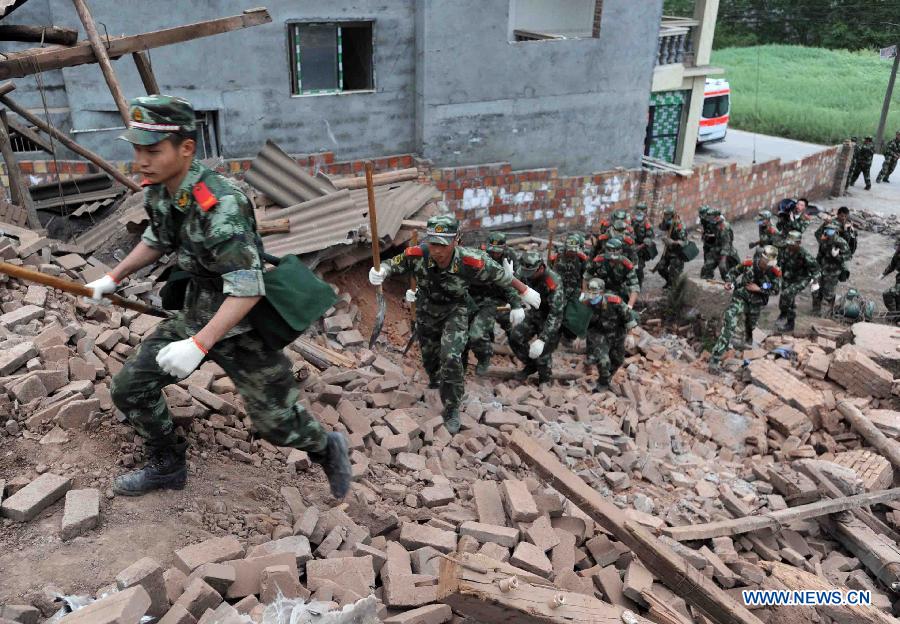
411,295
377,276
583,296
99,287
516,316
531,298
835,252
507,268
181,358
814,287
536,348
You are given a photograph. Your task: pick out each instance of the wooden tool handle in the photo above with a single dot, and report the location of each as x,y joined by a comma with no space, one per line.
76,289
373,217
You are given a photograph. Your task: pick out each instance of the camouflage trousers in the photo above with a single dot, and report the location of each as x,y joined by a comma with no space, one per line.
261,375
520,337
482,317
735,309
443,335
787,302
887,168
670,268
859,168
711,262
891,298
607,351
827,286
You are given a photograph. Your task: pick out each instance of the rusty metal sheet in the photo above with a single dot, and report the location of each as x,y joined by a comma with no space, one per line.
276,174
333,219
395,203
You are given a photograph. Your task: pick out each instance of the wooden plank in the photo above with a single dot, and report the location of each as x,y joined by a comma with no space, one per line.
775,519
17,185
278,226
65,140
21,64
873,435
490,591
145,70
797,579
39,34
877,552
669,567
97,45
31,135
319,356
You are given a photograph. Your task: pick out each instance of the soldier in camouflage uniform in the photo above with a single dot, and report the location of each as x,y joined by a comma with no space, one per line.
643,238
834,253
617,272
611,320
719,250
844,228
768,233
891,296
207,223
891,155
543,323
708,235
671,264
798,269
862,163
753,282
854,142
597,238
444,274
569,264
485,299
792,216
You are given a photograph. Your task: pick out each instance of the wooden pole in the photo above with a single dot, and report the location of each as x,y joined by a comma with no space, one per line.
39,34
886,106
17,186
65,140
102,57
142,62
669,567
873,435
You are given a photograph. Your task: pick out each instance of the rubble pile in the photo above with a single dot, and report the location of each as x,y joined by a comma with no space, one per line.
763,475
869,221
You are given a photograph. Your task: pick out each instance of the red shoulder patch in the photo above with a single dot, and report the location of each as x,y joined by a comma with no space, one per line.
582,255
776,271
614,298
747,263
554,257
628,240
473,262
603,237
627,263
772,230
648,227
551,283
599,258
204,197
414,252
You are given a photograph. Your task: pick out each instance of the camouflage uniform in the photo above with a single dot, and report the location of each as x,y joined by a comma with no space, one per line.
719,251
543,323
862,163
834,253
745,302
768,233
598,238
671,264
709,233
615,270
792,221
845,230
646,247
485,299
891,296
611,320
569,265
442,310
798,269
891,155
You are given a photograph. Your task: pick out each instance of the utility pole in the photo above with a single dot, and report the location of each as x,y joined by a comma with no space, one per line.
879,139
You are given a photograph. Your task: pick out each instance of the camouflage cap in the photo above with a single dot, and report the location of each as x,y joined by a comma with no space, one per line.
154,118
620,226
765,214
770,252
496,238
669,211
704,209
596,285
575,240
441,230
614,244
620,215
714,212
640,207
794,237
530,262
868,138
639,216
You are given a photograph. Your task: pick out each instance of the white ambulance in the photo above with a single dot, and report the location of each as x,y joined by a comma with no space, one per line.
716,108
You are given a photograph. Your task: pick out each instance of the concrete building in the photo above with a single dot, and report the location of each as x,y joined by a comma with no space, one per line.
534,83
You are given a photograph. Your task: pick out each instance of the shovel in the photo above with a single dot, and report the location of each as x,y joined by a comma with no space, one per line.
376,255
412,307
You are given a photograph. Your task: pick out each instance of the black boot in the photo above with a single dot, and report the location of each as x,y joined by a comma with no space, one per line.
451,420
526,372
335,462
781,322
482,367
789,325
545,376
166,469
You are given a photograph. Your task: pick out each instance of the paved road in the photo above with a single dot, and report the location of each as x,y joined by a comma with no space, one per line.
745,148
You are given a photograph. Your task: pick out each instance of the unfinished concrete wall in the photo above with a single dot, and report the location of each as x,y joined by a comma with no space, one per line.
245,77
578,104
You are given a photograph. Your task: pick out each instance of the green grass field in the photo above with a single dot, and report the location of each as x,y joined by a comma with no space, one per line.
809,94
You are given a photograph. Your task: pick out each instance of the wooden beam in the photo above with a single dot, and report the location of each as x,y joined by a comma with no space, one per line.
65,140
669,567
490,591
873,435
778,518
17,185
31,135
39,34
145,70
19,65
387,177
877,552
97,45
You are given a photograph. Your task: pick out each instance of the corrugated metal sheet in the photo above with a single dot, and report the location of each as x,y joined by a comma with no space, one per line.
394,203
276,174
334,219
92,207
